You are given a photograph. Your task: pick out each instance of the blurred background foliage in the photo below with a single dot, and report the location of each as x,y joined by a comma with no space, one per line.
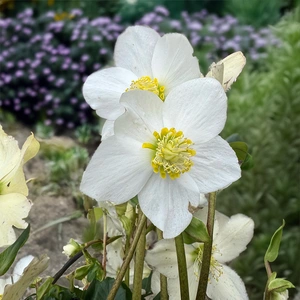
48,47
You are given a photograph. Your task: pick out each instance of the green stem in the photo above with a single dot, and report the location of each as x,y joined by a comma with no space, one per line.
104,242
163,279
127,260
182,269
139,263
206,258
127,273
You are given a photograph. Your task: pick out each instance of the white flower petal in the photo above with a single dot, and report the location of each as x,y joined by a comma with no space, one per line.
20,266
134,49
232,65
233,238
13,209
143,116
102,91
163,257
116,172
165,203
198,108
215,165
173,61
10,155
107,129
220,219
229,286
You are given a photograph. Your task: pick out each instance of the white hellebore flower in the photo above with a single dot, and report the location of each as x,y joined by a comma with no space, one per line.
14,205
231,236
167,153
144,60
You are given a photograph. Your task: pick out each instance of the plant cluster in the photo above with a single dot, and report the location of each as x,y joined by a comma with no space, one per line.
264,110
45,60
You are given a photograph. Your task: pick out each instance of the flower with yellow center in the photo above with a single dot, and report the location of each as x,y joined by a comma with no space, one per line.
145,61
167,153
231,236
14,205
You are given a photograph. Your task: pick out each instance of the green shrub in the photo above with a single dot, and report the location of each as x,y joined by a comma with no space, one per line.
264,108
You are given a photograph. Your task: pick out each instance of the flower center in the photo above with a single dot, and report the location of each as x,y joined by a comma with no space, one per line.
215,270
147,84
172,153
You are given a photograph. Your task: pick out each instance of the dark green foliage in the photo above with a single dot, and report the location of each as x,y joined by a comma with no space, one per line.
264,109
256,12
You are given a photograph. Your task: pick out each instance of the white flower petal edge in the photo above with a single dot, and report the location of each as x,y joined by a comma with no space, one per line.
134,49
117,171
9,154
13,209
233,238
215,165
228,287
174,47
142,117
197,107
102,91
163,257
107,129
166,205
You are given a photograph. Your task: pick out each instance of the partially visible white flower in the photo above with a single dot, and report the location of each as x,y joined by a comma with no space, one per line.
144,60
17,272
228,69
71,248
231,236
14,205
29,268
167,153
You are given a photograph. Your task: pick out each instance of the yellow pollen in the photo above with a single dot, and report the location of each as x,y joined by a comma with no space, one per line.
215,270
172,153
147,84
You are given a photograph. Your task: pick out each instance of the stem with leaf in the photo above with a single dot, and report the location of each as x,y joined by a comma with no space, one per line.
204,274
163,279
182,269
128,258
139,263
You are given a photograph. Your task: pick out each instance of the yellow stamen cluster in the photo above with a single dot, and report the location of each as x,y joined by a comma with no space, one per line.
147,84
172,153
216,269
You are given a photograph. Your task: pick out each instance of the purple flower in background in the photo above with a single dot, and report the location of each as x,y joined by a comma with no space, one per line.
40,55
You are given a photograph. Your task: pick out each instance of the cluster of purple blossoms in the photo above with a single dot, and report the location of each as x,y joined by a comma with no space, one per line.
43,64
213,37
45,60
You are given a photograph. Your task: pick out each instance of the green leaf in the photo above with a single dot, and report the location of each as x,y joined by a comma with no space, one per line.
197,230
279,285
98,213
248,163
82,271
146,284
8,256
273,248
240,149
43,289
100,290
233,138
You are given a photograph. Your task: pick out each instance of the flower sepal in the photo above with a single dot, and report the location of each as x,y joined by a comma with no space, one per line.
277,288
196,232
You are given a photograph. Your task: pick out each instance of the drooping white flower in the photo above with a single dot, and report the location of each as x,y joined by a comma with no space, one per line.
227,70
144,60
231,236
167,153
14,205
